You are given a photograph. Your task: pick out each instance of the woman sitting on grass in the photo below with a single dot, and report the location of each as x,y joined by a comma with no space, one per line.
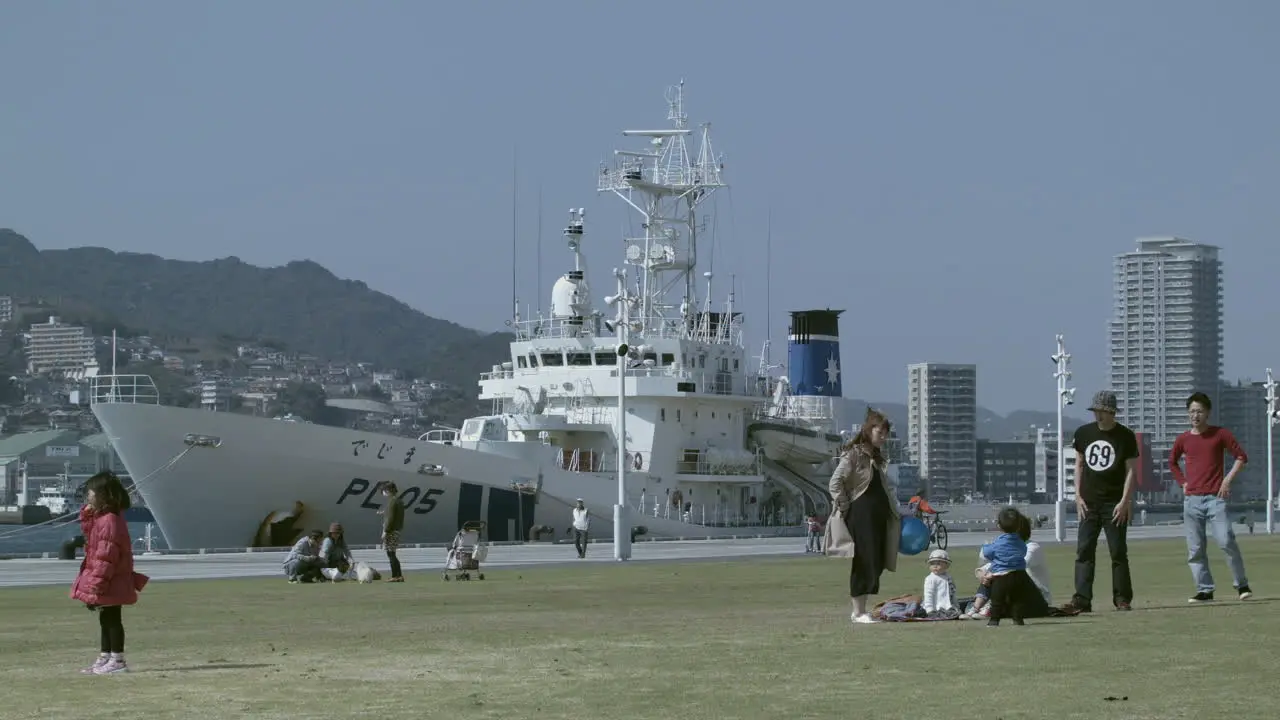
1034,605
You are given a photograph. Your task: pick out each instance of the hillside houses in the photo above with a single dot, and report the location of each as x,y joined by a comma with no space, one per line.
246,378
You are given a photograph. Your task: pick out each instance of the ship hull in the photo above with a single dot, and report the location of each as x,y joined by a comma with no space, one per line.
312,475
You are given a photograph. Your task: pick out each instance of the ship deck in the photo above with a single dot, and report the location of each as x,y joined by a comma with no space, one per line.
215,564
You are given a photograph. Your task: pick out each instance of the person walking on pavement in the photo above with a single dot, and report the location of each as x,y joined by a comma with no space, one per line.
581,527
1106,479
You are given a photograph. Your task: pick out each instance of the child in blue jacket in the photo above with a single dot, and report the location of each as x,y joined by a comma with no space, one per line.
1011,587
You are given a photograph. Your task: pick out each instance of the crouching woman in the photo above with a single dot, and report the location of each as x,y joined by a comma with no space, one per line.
865,524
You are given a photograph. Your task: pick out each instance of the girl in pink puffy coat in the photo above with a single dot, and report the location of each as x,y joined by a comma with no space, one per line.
107,581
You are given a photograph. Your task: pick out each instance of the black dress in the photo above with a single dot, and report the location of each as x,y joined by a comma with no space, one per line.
868,523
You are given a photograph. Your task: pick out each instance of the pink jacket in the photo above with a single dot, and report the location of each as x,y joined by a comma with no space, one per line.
106,575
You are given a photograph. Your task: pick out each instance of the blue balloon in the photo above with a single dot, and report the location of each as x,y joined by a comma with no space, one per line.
915,536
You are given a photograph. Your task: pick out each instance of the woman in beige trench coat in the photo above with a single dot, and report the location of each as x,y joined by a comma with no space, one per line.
865,524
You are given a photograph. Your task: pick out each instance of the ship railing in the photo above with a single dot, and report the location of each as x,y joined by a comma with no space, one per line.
625,174
727,466
711,382
718,514
442,437
798,409
131,389
715,330
597,461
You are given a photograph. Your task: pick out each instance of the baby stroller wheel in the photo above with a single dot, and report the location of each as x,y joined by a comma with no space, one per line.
480,576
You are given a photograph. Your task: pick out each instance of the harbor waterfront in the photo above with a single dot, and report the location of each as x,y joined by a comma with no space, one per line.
192,565
46,540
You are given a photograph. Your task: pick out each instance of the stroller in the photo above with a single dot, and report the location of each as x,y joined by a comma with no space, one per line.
466,553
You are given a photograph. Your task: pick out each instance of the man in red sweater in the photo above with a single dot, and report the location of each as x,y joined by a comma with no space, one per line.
1206,490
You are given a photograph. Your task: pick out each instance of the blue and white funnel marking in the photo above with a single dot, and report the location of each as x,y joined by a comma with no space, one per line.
813,353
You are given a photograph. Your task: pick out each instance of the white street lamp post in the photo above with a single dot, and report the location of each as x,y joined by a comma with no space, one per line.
1066,396
1273,419
621,525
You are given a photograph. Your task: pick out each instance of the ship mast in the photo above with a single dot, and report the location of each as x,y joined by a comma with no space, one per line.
666,184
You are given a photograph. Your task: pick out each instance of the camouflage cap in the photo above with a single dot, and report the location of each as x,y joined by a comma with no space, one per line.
1104,401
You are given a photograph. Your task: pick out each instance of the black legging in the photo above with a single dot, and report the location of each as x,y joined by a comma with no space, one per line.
395,563
112,629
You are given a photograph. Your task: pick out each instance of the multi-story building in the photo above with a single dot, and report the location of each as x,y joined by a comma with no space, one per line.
942,418
1046,463
57,346
906,481
1147,482
1007,470
6,309
1166,336
1242,410
215,394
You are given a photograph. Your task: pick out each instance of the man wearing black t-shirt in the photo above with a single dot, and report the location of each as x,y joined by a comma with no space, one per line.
1106,472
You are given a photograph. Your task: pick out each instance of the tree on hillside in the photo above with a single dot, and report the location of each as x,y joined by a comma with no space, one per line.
307,401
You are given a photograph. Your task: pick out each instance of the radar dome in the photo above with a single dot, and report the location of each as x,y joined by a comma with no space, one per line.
569,296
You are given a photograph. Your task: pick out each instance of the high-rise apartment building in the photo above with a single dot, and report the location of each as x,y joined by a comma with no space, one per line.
942,419
1166,336
1241,409
57,346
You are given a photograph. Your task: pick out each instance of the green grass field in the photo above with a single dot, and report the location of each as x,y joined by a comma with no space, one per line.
748,639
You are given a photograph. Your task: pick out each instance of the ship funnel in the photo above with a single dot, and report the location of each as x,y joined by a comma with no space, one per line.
813,353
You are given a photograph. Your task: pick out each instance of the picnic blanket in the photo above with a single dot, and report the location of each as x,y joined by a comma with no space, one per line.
907,608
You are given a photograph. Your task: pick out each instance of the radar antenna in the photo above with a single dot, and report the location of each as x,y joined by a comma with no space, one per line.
666,185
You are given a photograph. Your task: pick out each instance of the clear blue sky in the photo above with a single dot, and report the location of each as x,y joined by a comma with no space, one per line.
957,175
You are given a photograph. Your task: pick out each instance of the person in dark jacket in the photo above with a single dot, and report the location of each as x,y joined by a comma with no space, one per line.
392,524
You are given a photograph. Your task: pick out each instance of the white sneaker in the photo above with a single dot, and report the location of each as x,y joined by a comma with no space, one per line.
111,667
863,619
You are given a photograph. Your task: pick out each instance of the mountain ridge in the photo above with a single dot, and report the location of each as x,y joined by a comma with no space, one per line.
303,305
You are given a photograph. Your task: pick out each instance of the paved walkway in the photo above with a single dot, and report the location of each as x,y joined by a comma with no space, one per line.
29,572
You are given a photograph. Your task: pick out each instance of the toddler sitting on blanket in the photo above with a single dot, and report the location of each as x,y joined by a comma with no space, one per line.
939,597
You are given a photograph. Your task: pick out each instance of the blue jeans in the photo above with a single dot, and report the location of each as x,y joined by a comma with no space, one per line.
1211,510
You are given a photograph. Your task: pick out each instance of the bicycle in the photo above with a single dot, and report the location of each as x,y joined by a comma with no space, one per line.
937,530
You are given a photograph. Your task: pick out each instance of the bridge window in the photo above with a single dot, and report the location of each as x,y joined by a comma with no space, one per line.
522,361
552,359
668,359
662,414
651,356
579,359
606,358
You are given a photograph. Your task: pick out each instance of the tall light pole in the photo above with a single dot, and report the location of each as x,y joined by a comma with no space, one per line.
1066,396
1273,419
621,525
